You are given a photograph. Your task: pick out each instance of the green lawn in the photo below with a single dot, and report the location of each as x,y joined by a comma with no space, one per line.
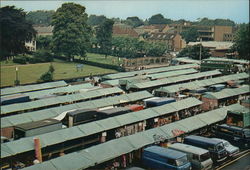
99,58
30,73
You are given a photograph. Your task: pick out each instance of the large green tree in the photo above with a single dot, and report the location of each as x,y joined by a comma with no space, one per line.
15,30
134,21
71,34
190,35
211,22
159,19
94,20
242,41
40,17
194,52
104,36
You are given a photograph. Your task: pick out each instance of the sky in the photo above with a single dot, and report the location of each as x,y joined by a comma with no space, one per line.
236,10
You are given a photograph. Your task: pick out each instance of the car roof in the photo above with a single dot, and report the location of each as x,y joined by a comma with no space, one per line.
188,148
169,153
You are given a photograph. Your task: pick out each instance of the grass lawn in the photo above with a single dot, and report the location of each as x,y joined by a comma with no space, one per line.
30,73
99,58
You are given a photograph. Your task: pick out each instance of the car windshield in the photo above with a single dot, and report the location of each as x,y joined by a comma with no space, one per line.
219,147
226,144
181,161
247,133
204,157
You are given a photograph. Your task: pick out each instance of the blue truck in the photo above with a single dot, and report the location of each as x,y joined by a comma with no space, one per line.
157,157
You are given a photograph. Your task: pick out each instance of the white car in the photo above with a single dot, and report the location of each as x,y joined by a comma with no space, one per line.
231,150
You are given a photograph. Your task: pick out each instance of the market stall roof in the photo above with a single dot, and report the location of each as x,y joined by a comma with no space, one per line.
148,71
6,109
228,92
171,80
34,87
202,83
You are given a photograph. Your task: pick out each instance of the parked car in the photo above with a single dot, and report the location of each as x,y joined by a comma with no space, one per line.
231,149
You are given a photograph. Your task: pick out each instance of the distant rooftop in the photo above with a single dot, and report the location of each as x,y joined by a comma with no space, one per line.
218,45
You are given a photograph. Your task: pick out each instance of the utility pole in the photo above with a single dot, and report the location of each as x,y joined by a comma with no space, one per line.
200,48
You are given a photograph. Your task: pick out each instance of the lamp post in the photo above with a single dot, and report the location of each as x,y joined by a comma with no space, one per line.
17,82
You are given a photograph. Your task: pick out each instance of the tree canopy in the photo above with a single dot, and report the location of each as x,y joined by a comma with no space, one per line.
134,21
40,17
219,22
159,19
104,36
190,35
71,34
94,20
15,30
194,52
242,41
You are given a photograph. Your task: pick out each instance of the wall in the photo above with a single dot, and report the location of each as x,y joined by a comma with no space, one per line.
219,32
209,104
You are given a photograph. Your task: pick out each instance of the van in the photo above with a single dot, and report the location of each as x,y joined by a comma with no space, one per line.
231,149
216,149
236,135
157,157
198,157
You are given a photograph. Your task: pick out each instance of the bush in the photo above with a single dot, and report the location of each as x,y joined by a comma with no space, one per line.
34,60
20,59
46,77
43,56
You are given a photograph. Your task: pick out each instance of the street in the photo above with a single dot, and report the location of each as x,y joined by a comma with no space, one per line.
241,163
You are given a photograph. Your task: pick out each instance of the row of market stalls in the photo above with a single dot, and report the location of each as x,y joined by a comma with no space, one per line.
127,150
98,131
7,123
34,87
59,101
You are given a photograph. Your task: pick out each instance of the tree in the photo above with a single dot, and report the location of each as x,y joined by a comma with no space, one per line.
104,36
219,22
242,41
44,42
190,35
194,52
134,21
159,19
71,34
15,30
96,20
40,17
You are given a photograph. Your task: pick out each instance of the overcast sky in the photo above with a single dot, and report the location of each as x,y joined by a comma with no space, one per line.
236,10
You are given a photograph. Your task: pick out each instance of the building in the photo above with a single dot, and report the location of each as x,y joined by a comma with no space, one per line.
217,48
41,31
150,28
44,30
120,30
174,42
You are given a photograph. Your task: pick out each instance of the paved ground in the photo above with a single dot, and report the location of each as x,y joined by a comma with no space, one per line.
240,163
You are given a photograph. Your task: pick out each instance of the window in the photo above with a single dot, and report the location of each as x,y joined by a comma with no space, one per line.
171,162
204,157
181,161
195,157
